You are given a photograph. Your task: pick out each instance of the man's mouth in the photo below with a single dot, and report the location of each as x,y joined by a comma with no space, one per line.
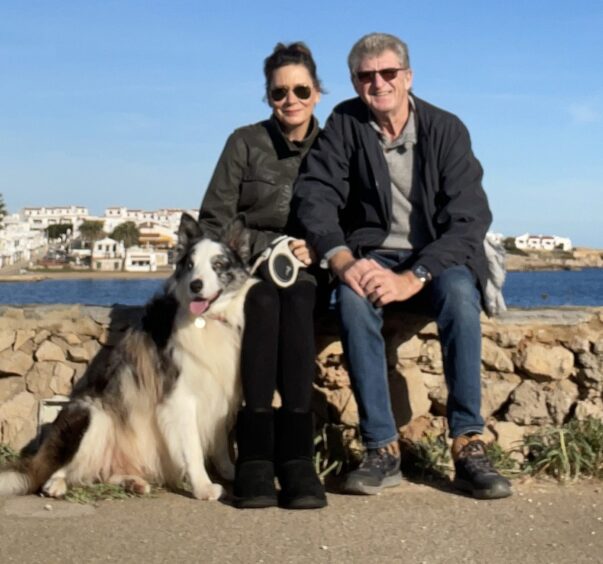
199,306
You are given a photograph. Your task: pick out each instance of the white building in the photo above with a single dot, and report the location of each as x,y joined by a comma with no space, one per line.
543,242
108,254
144,260
18,241
40,218
161,225
156,235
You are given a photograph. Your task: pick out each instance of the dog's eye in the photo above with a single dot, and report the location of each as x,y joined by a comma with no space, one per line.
222,264
190,265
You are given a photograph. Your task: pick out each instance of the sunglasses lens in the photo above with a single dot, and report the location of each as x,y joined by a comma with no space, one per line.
365,76
302,92
388,74
368,76
278,94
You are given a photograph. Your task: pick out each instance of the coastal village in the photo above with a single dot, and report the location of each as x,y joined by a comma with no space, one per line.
69,238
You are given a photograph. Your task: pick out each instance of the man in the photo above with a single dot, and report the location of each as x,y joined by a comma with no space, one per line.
391,199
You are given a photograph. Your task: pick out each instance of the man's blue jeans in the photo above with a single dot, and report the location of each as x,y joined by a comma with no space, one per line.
453,299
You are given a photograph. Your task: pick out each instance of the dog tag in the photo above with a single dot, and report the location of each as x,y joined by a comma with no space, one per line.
199,322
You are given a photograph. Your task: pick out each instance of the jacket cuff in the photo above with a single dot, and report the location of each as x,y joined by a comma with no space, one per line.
324,263
326,243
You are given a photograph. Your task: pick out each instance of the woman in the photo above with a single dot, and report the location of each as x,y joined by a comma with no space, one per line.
254,178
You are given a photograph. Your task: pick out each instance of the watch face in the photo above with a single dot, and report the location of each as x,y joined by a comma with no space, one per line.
421,273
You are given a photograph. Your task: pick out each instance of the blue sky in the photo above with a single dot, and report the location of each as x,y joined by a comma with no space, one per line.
130,102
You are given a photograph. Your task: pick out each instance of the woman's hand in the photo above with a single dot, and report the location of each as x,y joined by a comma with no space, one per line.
302,251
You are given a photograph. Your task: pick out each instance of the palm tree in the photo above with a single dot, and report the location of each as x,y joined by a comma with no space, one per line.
127,232
91,230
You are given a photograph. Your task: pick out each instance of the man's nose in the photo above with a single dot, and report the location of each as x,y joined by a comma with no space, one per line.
378,80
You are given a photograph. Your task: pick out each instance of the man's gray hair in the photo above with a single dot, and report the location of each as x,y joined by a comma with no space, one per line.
375,44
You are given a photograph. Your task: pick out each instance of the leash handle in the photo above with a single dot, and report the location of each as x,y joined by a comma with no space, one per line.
282,266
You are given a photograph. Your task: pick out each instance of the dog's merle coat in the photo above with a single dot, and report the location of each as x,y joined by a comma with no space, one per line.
167,398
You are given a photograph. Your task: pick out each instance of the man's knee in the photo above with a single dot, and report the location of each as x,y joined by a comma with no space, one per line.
352,305
456,288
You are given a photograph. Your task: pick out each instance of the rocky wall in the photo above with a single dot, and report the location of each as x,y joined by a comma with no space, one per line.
539,367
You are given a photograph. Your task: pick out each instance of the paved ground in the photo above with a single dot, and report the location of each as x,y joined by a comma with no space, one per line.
542,523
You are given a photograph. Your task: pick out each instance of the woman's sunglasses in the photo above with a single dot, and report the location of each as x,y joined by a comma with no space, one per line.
302,92
386,74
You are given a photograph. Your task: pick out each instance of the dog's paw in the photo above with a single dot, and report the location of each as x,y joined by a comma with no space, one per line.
132,484
55,487
209,492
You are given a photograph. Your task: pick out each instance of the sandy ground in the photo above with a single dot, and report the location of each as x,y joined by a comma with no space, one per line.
412,523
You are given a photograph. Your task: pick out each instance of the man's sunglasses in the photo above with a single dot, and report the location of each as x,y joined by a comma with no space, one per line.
386,74
302,92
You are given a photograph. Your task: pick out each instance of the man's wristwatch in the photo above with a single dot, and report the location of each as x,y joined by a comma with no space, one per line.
421,273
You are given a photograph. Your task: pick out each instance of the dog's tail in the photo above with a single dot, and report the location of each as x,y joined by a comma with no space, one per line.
13,481
30,473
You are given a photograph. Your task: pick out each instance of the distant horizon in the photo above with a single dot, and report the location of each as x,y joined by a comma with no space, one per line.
133,101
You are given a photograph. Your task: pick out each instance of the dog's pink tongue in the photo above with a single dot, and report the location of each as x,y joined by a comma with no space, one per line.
198,307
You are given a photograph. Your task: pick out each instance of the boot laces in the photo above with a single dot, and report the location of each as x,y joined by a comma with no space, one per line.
378,457
475,458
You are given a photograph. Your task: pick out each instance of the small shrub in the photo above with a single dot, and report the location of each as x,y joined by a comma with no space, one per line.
330,455
503,460
7,454
428,458
96,493
567,452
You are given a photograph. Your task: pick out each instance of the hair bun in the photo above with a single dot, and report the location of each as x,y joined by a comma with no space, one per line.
297,53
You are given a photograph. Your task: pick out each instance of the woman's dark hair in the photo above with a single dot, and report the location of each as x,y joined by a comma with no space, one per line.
296,53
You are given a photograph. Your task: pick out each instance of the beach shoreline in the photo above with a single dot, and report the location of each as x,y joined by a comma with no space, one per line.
32,276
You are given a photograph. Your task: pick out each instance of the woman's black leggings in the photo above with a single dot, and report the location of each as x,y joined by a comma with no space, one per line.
278,349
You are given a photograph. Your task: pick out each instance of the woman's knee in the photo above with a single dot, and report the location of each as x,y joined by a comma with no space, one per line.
299,297
262,298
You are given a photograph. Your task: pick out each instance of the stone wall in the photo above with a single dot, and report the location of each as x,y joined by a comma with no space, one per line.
538,368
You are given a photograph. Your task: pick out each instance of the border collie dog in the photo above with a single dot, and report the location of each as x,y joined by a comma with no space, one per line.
165,401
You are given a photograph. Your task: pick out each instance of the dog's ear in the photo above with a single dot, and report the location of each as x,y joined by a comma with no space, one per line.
189,230
237,237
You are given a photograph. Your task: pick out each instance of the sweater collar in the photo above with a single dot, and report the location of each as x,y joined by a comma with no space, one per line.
281,140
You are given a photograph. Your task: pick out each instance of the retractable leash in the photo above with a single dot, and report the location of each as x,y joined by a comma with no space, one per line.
278,263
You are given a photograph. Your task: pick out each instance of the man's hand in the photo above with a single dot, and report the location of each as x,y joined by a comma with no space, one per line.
302,252
383,286
349,270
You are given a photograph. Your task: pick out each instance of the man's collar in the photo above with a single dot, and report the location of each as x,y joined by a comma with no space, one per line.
407,135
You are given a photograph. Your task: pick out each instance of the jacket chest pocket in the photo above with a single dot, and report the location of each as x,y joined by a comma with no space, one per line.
256,188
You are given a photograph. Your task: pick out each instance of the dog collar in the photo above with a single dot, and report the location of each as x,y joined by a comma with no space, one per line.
201,321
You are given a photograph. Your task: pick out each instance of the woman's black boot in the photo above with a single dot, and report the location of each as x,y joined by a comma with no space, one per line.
300,486
254,468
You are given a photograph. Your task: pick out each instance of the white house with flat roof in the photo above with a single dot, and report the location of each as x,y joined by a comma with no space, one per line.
108,254
542,242
158,227
40,218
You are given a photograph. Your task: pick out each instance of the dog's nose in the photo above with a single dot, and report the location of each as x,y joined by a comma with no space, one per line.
196,286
